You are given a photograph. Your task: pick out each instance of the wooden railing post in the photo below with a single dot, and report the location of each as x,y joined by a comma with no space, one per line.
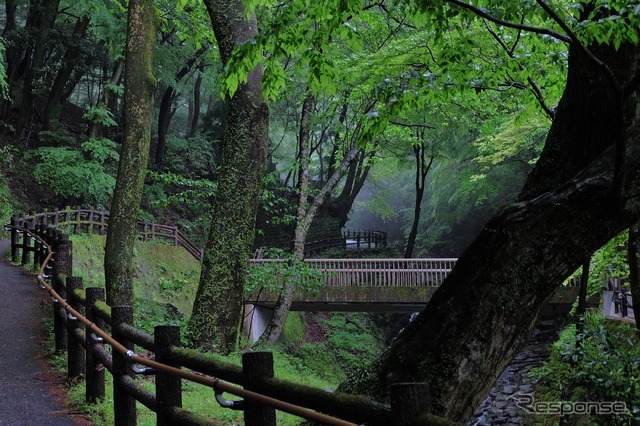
168,386
409,401
62,268
90,225
75,351
36,247
257,366
94,380
15,239
124,406
102,224
26,245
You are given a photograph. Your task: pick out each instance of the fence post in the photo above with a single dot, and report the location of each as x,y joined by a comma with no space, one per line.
102,230
75,351
409,401
36,247
15,239
94,381
62,267
26,245
124,406
168,386
90,220
257,366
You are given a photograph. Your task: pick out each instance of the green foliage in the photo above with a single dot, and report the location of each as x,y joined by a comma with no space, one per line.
100,116
273,276
190,192
77,175
57,138
294,328
605,367
353,339
194,157
6,208
611,261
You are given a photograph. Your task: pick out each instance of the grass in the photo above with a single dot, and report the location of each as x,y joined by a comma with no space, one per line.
164,287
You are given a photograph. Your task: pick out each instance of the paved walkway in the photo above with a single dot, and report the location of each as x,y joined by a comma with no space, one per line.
25,388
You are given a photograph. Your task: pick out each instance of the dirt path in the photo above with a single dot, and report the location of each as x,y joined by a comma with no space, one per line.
26,388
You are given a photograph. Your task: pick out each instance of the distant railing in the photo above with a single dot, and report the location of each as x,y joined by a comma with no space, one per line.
81,323
350,239
96,221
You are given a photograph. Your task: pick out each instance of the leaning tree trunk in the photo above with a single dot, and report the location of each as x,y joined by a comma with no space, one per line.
217,307
485,311
139,85
285,298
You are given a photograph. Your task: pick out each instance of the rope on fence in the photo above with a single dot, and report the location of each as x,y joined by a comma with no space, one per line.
216,384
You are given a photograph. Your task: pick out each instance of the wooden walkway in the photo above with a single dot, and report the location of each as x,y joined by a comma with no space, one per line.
25,388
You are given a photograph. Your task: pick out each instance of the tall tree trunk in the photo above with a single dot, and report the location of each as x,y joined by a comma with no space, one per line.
108,99
217,308
484,312
165,113
13,56
69,62
164,119
634,269
194,107
422,170
44,18
139,85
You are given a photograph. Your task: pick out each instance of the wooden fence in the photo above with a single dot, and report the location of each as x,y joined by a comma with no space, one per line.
81,323
94,221
79,219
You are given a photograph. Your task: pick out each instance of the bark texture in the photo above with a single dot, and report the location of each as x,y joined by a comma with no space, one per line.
485,311
139,85
216,311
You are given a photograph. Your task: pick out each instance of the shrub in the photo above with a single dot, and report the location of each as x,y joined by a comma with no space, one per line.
605,366
77,175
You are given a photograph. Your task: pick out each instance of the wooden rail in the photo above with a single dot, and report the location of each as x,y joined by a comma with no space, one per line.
95,221
81,323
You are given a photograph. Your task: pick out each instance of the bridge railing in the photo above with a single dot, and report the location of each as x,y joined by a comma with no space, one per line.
378,272
81,323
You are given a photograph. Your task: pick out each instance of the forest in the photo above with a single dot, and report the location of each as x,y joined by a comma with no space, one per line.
504,134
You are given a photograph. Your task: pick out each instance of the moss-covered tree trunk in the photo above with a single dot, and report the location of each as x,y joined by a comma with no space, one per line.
138,103
216,312
485,311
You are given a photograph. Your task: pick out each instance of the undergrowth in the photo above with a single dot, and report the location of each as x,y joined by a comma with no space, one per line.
604,366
